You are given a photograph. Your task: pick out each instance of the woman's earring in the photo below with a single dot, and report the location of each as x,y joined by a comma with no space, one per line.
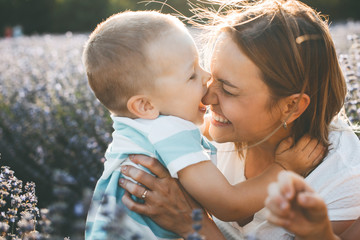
284,125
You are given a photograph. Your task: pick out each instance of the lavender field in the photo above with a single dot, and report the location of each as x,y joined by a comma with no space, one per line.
54,132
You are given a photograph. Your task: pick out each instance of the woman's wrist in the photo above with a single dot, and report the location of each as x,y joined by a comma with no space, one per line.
209,229
185,227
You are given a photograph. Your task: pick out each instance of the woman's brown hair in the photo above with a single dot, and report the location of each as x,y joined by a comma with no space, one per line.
291,44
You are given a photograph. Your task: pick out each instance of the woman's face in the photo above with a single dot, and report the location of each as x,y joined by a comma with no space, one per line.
238,97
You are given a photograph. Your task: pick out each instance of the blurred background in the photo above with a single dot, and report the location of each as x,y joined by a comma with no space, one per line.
54,132
58,16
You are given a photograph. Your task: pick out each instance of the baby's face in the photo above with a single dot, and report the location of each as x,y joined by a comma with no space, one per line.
181,82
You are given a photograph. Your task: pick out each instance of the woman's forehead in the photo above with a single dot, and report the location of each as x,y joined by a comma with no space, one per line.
230,63
218,50
226,51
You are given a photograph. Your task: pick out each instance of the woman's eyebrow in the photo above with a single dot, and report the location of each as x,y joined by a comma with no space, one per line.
227,83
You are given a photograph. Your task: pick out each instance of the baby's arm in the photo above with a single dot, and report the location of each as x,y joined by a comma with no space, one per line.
292,204
210,188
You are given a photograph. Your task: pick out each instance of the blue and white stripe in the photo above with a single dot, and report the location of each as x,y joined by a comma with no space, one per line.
175,142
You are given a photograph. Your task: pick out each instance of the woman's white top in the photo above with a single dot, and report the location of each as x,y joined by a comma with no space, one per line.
336,179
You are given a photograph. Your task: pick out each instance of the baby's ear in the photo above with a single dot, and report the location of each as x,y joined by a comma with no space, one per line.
142,107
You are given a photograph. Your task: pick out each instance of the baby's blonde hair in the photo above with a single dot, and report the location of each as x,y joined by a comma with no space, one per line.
115,56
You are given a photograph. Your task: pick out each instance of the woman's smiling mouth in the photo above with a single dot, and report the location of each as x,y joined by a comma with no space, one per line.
218,118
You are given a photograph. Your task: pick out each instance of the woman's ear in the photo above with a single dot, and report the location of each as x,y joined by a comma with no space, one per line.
142,107
294,106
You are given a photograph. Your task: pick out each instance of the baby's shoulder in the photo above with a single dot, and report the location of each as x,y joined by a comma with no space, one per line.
173,123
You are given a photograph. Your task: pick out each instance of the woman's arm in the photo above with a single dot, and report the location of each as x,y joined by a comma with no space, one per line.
353,232
339,227
166,202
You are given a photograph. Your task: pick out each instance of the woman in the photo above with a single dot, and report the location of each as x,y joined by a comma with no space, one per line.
273,64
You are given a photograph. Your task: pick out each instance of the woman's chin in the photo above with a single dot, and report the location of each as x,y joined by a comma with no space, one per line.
219,135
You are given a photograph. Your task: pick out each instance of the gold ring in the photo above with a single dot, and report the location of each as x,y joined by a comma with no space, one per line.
143,196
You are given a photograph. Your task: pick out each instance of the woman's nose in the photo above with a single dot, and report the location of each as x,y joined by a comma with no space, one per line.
210,97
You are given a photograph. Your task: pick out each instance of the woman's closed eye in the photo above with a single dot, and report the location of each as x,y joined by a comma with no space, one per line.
227,92
220,84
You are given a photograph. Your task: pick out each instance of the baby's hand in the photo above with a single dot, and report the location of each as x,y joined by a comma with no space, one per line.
292,204
301,158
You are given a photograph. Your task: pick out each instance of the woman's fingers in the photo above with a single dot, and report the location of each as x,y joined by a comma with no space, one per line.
142,177
166,202
167,205
138,175
152,164
134,206
135,189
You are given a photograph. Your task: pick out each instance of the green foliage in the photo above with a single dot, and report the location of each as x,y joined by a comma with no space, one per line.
39,16
33,15
337,9
78,15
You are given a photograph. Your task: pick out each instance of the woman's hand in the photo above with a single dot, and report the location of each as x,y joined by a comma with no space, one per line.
166,202
301,158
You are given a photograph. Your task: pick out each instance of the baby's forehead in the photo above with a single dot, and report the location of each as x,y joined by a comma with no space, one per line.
169,41
175,48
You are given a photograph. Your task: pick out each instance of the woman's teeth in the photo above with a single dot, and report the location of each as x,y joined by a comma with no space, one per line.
219,118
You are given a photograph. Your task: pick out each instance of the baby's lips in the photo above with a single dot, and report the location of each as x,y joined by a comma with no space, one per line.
202,107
